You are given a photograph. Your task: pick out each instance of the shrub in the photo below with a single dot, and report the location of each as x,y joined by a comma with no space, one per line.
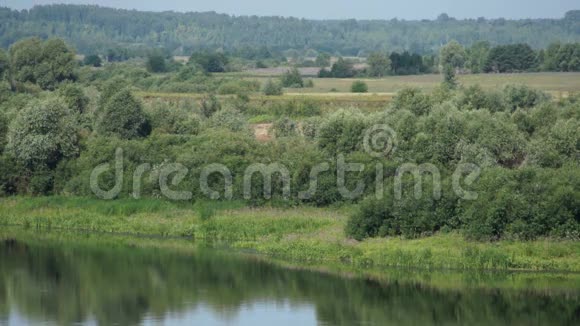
292,79
359,87
210,105
272,88
285,127
368,220
229,118
173,120
310,127
156,64
238,87
412,99
521,96
342,132
93,60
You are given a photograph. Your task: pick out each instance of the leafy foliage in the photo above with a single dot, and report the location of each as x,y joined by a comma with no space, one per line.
123,116
272,88
359,86
43,134
292,79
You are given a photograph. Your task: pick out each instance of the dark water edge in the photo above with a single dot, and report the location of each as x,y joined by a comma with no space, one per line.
59,279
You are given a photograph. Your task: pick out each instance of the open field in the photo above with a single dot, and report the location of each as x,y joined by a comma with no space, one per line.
555,83
332,92
310,235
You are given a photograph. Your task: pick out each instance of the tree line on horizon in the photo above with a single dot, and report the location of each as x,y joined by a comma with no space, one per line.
93,28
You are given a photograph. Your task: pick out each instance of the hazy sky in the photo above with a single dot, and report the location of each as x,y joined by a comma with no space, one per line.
362,9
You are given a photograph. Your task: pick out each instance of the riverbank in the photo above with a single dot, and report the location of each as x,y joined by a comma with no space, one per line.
302,236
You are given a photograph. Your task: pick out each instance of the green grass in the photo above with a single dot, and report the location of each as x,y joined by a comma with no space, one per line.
330,93
306,235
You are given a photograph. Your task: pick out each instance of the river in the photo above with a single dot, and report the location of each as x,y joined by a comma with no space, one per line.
65,283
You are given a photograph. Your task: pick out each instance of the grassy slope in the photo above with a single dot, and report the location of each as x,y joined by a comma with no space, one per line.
309,235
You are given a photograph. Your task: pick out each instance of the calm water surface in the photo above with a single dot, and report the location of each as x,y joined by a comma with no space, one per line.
56,284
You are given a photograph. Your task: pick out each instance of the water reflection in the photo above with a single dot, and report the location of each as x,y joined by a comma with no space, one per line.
63,285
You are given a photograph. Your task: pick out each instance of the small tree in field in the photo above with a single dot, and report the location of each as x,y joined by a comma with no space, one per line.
359,87
452,57
292,79
272,88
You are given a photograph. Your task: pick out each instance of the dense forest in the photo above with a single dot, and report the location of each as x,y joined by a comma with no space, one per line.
93,29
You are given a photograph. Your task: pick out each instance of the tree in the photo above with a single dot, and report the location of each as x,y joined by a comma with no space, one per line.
477,56
210,62
57,64
511,58
156,63
123,116
4,64
449,79
453,54
359,87
272,88
342,69
292,79
452,57
43,134
25,56
74,97
3,132
379,64
323,60
406,63
45,64
93,60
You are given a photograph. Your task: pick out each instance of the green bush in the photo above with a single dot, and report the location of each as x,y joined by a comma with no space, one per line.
342,132
210,105
412,99
43,134
123,116
292,79
229,118
272,88
359,87
74,97
156,64
285,127
521,96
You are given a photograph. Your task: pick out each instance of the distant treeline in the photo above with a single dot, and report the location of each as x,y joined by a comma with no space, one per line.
479,58
92,29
